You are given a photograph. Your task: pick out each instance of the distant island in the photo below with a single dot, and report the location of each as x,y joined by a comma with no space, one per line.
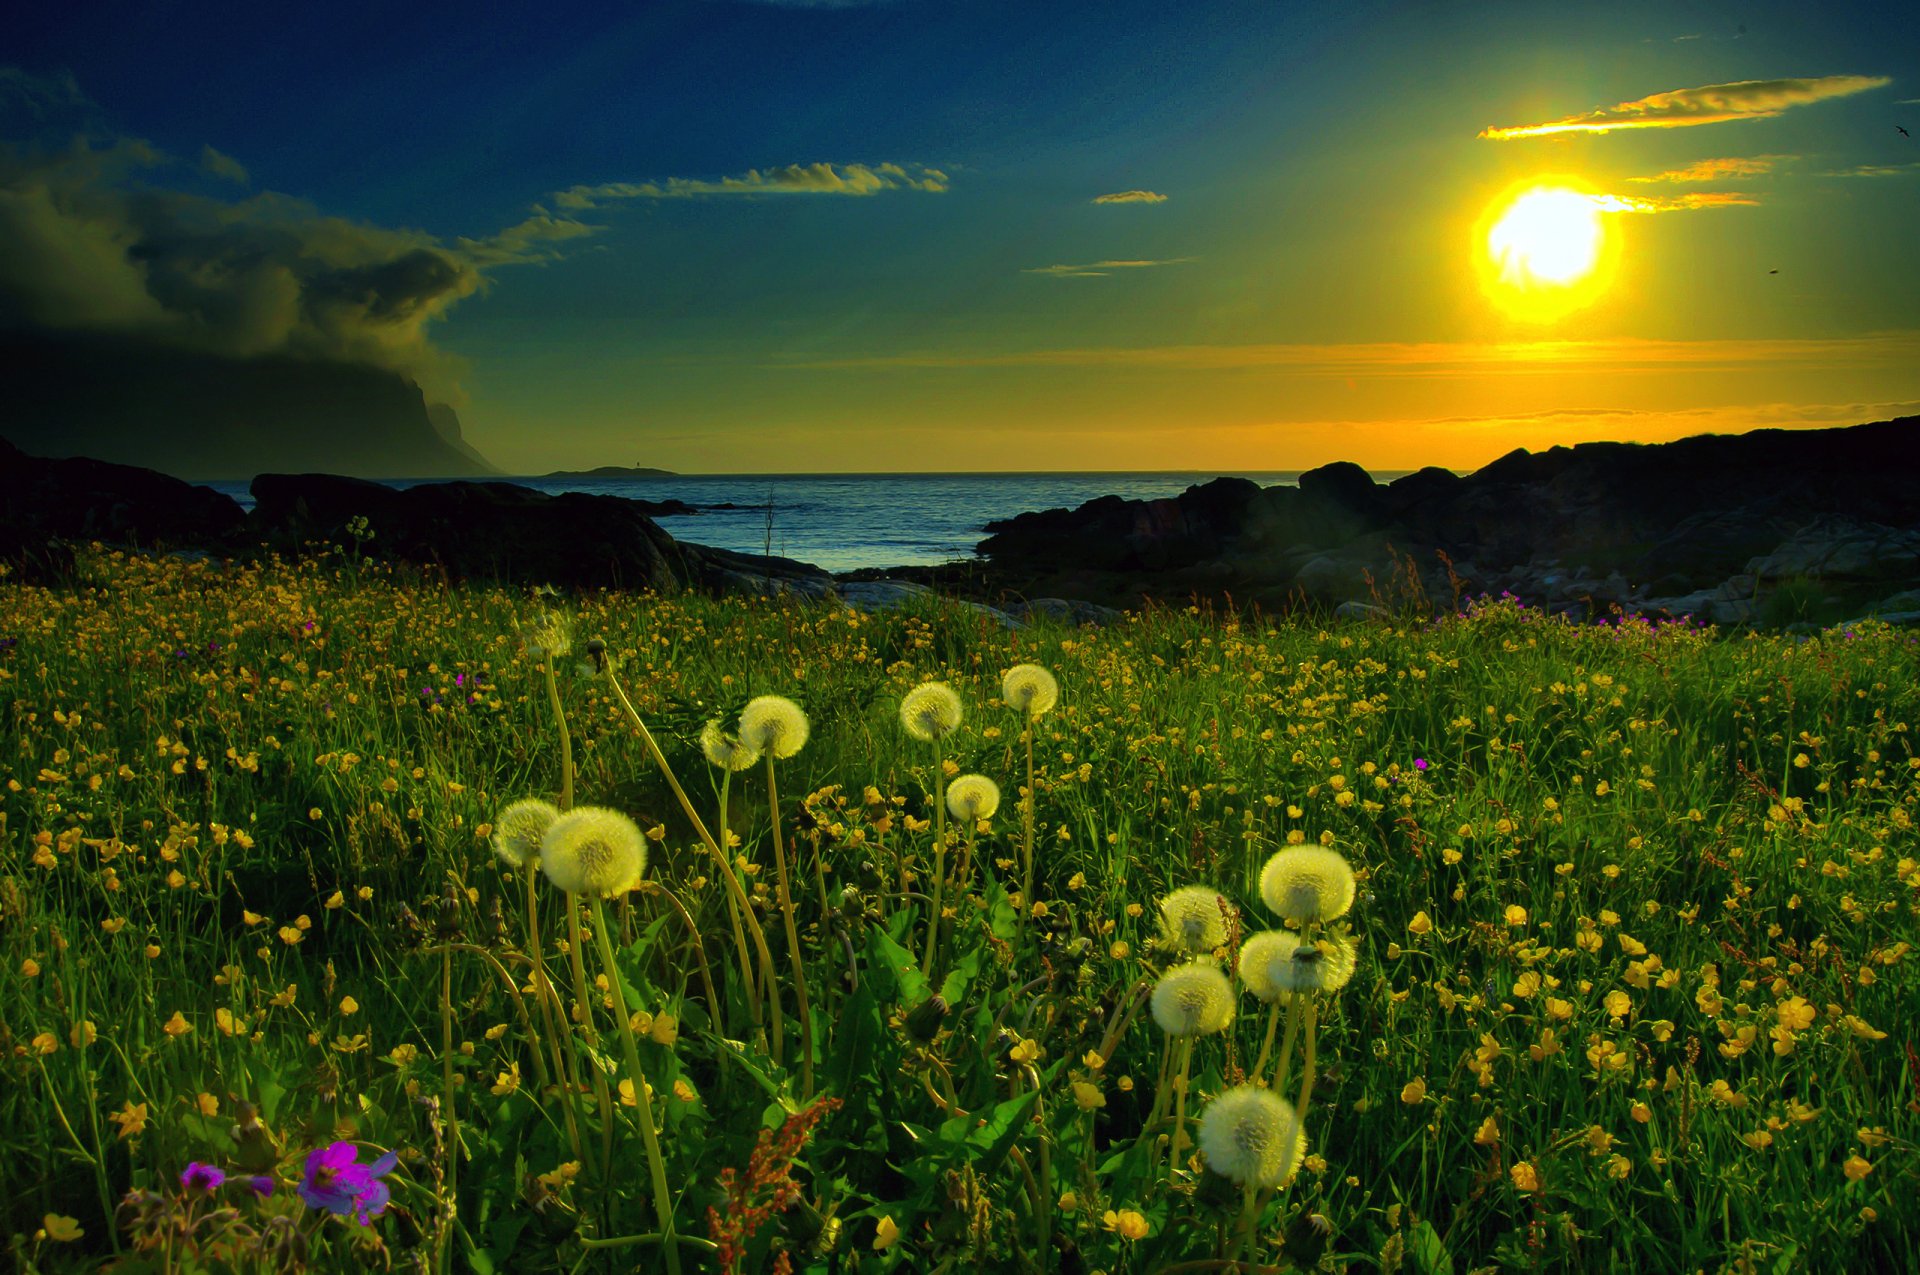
613,471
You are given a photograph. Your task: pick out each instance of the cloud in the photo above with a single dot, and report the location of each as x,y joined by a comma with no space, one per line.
1713,170
1131,197
93,240
1690,202
792,179
1440,359
1709,104
224,167
1099,269
1877,170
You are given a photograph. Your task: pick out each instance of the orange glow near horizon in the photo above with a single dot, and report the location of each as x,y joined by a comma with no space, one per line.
1543,250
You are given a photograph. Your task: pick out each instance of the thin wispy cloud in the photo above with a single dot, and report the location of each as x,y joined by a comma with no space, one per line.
1693,201
1100,269
1708,104
790,179
1876,170
225,167
1713,170
1440,359
1131,197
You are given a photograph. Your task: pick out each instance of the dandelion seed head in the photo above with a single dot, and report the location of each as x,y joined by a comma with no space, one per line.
1193,919
518,830
973,797
723,750
550,635
930,711
1264,956
1287,965
594,851
1249,1134
1192,1000
773,725
1029,689
1304,884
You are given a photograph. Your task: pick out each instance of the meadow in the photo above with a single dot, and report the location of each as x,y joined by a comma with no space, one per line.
1623,977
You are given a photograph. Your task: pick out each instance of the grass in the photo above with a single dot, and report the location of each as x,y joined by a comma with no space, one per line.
1635,907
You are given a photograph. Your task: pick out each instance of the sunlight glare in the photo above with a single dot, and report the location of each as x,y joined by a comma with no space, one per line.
1545,251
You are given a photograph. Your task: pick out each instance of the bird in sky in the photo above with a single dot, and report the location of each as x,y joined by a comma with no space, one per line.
1775,270
1903,132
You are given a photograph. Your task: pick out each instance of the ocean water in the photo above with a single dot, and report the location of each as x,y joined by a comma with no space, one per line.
846,522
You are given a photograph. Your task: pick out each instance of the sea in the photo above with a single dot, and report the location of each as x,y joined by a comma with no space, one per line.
850,522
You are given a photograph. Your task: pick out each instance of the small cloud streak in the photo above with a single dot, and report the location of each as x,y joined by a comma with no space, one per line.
1708,104
1131,197
1877,170
224,167
1713,170
1100,269
1690,202
790,179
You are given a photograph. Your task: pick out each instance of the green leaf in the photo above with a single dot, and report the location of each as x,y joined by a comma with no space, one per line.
902,978
1429,1254
1002,920
953,988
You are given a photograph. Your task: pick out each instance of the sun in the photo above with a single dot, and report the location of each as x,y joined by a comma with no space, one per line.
1545,250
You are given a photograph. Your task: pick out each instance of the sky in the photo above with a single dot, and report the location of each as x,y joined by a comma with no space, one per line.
939,235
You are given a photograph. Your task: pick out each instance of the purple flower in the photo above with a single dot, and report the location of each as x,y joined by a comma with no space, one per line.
336,1181
1419,763
202,1177
260,1184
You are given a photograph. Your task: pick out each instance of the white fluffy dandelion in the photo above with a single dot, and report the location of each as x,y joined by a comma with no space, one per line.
517,831
1192,1000
973,797
1249,1134
930,712
1029,689
773,726
1193,919
594,851
1305,884
1275,963
723,750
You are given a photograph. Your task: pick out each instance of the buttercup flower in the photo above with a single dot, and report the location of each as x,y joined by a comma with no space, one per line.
973,797
773,724
1192,1000
1304,884
1030,689
1194,919
723,750
336,1181
517,831
930,711
594,851
1249,1134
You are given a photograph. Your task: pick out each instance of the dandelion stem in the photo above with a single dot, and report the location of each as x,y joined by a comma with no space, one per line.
1180,1107
584,1006
1266,1046
452,1113
656,1166
733,913
1306,1075
1286,1043
939,863
699,948
566,740
1026,822
793,937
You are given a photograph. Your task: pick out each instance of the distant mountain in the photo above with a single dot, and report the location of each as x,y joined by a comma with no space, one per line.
205,416
613,471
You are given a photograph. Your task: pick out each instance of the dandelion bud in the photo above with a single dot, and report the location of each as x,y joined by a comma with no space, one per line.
924,1019
1305,884
595,852
973,797
1029,689
723,750
1192,1000
773,725
517,831
1193,920
1249,1134
930,711
1275,963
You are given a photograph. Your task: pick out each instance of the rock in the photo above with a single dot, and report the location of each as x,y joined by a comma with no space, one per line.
873,595
1361,611
44,502
1842,548
1067,610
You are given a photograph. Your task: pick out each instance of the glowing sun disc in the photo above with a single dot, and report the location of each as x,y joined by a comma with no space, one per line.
1544,249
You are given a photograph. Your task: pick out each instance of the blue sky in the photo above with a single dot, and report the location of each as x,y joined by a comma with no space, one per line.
932,295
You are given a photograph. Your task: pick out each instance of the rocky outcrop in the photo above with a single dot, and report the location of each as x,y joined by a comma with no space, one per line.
47,505
1716,525
501,531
